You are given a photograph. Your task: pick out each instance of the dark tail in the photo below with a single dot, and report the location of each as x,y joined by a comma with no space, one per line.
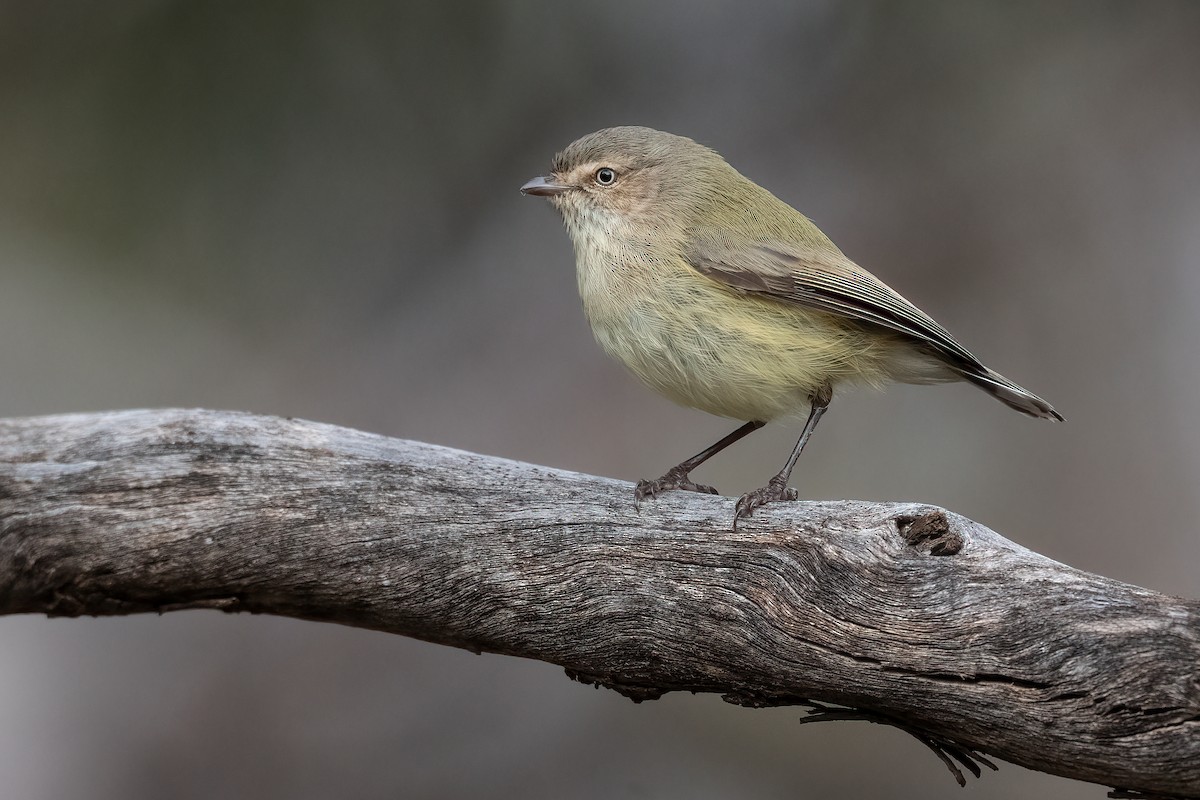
1011,394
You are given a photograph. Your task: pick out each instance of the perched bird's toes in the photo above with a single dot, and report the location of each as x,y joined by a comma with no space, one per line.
771,493
745,507
671,481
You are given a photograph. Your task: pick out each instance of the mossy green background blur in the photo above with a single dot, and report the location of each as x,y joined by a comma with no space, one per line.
311,209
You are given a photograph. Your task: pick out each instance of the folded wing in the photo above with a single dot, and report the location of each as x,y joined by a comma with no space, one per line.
824,279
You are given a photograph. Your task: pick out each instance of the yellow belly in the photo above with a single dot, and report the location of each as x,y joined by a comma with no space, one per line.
732,355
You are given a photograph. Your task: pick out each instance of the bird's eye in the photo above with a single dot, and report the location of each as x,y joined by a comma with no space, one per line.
606,176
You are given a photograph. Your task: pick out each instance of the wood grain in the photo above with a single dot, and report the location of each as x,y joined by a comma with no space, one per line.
901,610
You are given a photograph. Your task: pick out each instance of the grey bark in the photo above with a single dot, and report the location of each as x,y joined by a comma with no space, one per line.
922,617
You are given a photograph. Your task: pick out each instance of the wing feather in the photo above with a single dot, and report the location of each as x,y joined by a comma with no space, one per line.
827,281
823,278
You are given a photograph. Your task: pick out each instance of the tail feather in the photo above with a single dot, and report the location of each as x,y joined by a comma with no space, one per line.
1011,394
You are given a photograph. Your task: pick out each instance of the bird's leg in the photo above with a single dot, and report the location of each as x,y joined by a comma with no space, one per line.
777,487
677,477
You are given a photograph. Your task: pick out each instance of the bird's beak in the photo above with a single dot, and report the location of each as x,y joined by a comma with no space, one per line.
543,187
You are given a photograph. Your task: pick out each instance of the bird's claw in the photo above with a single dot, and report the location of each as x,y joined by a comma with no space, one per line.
775,491
674,479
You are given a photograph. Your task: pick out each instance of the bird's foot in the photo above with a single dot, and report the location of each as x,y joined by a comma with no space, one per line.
676,478
775,490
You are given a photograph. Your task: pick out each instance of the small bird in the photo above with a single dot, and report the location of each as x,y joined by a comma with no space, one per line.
724,298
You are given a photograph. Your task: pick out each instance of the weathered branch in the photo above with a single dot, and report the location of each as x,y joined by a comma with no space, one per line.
905,612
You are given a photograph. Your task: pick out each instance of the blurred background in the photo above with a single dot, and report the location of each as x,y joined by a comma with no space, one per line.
311,209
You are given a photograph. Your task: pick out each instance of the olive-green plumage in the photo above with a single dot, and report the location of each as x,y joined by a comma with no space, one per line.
724,298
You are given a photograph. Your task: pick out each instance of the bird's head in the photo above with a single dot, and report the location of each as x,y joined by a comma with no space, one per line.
629,176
